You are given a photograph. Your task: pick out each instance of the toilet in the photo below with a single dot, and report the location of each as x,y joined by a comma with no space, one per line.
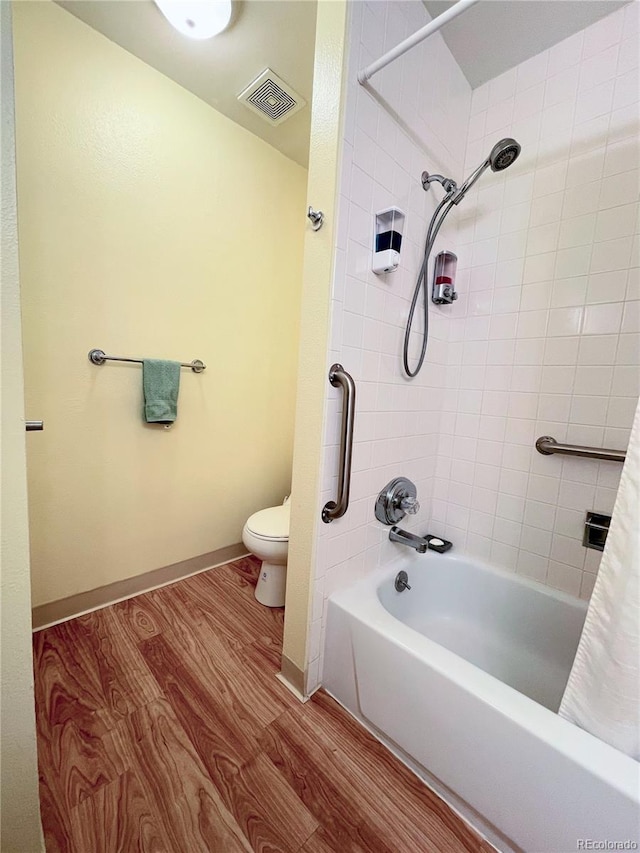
266,535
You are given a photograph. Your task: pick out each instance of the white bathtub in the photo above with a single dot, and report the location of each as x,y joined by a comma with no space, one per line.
464,673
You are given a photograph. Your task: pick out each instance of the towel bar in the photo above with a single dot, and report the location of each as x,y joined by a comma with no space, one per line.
97,356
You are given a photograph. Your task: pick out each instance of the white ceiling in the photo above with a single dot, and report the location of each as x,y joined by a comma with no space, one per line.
496,35
279,34
486,40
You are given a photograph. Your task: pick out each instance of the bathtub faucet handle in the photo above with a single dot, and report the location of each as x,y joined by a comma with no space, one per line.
398,498
410,504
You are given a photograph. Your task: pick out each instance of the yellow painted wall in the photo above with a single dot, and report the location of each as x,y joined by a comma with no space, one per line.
149,225
324,156
20,828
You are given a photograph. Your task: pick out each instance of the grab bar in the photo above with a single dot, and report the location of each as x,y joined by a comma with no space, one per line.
338,376
548,445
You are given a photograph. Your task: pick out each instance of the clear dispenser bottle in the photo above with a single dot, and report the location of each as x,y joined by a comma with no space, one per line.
387,240
444,278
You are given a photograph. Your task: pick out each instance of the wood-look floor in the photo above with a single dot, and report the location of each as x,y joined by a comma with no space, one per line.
161,728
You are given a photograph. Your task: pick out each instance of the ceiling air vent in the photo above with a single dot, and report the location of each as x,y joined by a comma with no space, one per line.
271,98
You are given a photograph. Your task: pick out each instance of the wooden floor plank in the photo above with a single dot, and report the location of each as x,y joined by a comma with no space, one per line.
240,674
259,665
175,782
247,568
224,732
368,786
322,842
205,710
270,814
244,676
76,752
82,763
162,729
219,596
118,819
65,687
242,576
125,679
140,617
329,796
191,599
386,777
55,815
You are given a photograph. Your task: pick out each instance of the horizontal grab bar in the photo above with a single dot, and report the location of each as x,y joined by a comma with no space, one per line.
548,445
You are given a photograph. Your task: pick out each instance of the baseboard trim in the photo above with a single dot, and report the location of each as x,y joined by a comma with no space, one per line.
292,678
54,612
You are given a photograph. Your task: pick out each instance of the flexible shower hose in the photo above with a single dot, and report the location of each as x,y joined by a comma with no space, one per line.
421,284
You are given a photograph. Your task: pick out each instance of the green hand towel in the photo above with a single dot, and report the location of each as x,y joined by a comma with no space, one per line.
160,383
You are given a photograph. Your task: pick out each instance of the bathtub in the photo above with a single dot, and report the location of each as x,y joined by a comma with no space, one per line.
461,676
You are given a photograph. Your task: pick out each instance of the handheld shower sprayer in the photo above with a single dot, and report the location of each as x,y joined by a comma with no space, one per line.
502,155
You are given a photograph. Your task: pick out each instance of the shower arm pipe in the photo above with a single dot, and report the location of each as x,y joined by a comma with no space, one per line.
339,377
420,35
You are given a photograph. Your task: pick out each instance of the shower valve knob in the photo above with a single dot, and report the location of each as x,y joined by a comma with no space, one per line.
410,505
396,500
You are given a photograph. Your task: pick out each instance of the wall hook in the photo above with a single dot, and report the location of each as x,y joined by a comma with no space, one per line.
316,217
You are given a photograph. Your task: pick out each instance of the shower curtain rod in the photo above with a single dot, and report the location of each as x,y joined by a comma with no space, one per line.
420,35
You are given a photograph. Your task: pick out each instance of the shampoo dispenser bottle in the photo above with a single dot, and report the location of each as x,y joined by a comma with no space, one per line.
444,278
387,240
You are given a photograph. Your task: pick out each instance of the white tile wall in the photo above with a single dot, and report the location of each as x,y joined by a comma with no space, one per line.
545,337
397,423
560,282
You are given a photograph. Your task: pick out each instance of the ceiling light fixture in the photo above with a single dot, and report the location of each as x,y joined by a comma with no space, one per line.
198,19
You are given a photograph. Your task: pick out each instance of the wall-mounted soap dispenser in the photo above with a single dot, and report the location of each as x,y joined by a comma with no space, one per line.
444,278
387,240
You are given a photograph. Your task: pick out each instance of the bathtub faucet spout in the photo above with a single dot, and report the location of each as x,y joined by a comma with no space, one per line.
405,538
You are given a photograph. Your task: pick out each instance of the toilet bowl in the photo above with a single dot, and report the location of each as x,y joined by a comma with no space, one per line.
266,535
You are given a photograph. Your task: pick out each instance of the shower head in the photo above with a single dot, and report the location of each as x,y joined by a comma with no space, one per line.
503,154
501,157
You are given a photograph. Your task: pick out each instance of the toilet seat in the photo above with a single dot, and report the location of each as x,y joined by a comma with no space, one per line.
270,524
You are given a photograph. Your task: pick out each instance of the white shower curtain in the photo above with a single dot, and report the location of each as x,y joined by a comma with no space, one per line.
603,692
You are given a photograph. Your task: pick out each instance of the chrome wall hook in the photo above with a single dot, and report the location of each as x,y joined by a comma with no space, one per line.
316,217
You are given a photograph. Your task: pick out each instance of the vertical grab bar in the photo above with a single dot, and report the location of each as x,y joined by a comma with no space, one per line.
338,376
